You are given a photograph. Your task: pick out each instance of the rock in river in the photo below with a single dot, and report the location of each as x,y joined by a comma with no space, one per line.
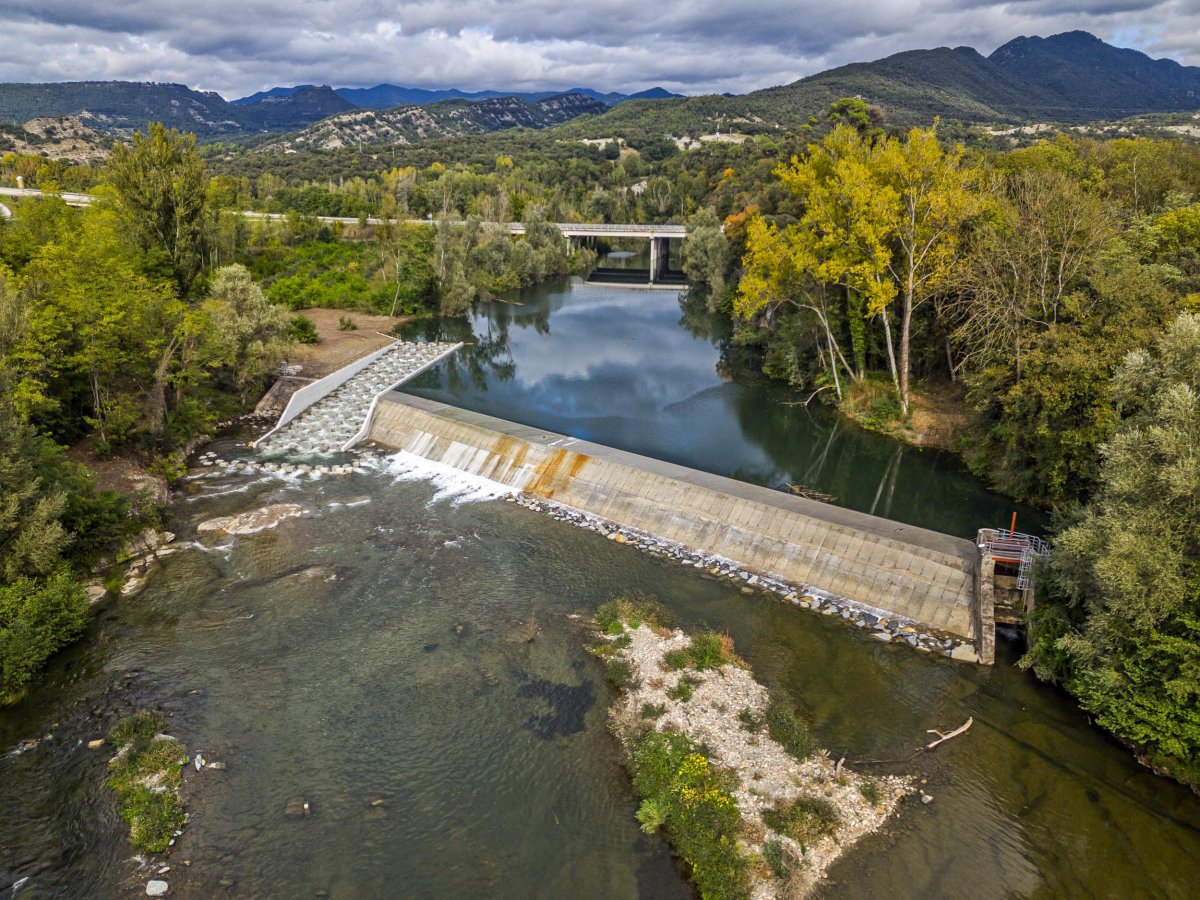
254,521
156,887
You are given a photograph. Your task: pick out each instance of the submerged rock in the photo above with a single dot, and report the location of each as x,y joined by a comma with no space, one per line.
568,706
964,653
297,806
254,521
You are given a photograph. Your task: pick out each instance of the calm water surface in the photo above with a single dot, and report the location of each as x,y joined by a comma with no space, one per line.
372,659
645,372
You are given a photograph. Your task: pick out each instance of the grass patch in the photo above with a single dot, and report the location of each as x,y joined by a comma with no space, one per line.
752,721
683,689
806,819
772,852
652,710
622,642
711,650
632,609
619,673
140,727
874,404
676,660
693,801
146,774
870,792
785,726
614,628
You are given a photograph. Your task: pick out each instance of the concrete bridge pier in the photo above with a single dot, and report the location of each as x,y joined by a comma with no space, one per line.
660,252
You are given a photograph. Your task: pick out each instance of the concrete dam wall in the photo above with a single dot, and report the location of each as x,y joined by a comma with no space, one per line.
907,571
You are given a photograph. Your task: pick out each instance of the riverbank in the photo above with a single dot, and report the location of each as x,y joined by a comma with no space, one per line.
797,810
938,418
280,651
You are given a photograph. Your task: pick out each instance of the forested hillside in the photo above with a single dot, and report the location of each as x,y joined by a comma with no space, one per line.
1071,77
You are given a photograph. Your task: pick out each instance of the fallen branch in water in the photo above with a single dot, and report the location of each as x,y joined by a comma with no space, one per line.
941,737
945,737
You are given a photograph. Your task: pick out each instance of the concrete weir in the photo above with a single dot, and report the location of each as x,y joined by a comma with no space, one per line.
896,569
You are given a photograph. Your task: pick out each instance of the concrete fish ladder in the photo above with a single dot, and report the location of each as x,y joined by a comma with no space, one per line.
910,573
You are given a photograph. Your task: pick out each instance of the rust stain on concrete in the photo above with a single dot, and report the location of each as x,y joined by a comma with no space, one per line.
555,473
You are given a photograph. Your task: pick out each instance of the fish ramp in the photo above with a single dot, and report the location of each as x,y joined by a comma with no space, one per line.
913,573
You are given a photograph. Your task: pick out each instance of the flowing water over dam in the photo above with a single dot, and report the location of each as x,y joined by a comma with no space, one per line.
373,658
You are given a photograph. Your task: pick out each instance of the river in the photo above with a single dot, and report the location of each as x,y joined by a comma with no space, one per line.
372,659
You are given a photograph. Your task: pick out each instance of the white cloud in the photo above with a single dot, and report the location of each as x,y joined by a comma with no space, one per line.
695,46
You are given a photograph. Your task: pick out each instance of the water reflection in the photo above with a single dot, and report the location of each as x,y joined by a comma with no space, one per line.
654,373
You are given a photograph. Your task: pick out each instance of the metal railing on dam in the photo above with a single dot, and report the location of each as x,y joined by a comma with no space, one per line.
892,568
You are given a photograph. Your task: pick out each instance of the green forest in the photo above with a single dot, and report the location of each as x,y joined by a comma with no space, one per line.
1050,291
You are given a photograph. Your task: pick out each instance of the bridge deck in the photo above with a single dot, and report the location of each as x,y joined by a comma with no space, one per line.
571,229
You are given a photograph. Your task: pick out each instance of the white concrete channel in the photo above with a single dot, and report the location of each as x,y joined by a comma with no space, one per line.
334,413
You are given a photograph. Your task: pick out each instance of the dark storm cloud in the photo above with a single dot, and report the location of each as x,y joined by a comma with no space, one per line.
239,46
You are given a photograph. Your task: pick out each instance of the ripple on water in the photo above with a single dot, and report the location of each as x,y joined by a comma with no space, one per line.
490,756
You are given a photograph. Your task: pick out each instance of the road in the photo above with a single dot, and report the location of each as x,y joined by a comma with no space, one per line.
571,229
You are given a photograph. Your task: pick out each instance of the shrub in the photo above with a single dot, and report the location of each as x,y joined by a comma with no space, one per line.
786,727
652,710
870,792
345,323
37,617
652,815
683,689
806,819
772,852
619,673
614,628
303,330
694,801
676,660
622,642
751,721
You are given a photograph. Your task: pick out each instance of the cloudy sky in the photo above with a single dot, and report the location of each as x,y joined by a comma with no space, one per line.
237,47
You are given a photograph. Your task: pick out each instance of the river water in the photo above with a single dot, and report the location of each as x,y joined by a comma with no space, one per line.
645,372
373,659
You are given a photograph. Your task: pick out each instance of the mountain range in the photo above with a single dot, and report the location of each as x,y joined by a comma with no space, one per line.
386,96
445,118
1068,78
1071,78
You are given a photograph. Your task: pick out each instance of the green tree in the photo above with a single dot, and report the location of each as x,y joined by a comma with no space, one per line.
935,201
37,617
253,334
160,181
1119,623
706,254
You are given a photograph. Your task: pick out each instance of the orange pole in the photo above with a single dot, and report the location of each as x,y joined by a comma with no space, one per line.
1013,527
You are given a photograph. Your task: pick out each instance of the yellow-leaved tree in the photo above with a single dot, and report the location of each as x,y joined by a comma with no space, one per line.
883,222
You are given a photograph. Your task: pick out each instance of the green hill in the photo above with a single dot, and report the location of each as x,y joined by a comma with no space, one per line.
1071,77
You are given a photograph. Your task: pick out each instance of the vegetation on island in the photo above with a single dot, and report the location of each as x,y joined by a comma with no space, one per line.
684,790
146,774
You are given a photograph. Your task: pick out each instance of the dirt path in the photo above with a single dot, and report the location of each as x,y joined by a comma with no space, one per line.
338,348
